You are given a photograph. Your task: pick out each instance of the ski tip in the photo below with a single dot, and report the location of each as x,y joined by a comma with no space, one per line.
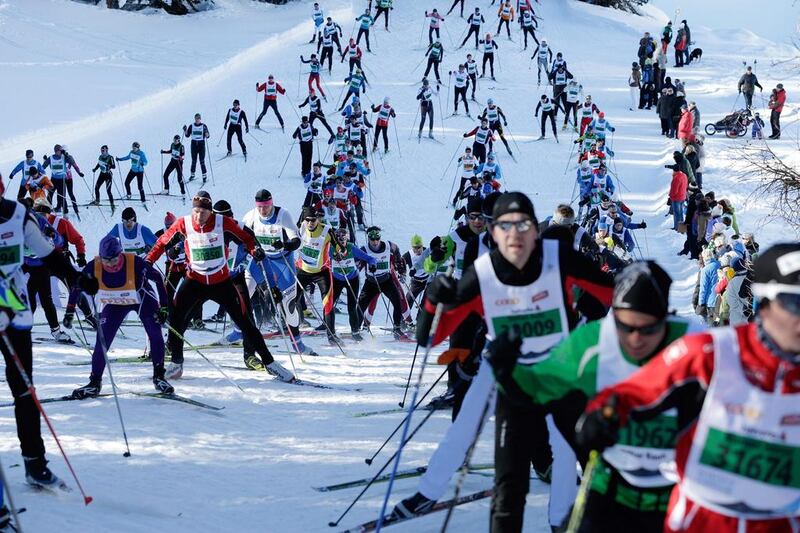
87,500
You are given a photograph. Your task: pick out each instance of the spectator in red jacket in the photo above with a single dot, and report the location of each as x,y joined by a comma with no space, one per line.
686,126
776,102
677,196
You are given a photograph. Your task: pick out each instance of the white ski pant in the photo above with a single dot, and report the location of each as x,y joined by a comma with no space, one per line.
452,450
634,97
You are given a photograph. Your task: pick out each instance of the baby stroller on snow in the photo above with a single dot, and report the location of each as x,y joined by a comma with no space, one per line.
734,125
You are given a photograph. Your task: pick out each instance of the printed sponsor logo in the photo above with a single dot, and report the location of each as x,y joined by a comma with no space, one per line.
747,411
540,296
506,301
791,419
7,235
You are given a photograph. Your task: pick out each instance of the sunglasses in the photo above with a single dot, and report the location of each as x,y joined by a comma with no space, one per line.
522,226
311,219
374,236
473,216
790,302
417,247
652,329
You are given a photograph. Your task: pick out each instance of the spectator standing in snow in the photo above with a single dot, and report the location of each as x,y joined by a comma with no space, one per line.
635,84
677,196
688,33
776,102
686,126
747,86
758,126
681,44
666,37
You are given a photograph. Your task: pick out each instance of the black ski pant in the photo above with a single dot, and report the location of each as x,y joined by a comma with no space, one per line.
321,279
560,96
479,151
350,92
415,288
104,178
497,127
365,33
678,58
350,287
552,116
39,285
431,31
354,62
177,166
379,129
173,280
500,25
192,294
462,92
269,104
29,427
473,78
488,56
474,29
665,125
62,187
327,51
529,30
372,287
775,124
427,111
455,3
460,190
604,515
335,39
382,11
571,106
237,129
521,439
306,154
319,115
433,63
198,149
139,183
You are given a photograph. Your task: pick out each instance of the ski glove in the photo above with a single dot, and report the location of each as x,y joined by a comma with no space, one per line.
502,354
643,224
88,284
701,310
277,295
442,290
259,254
161,315
598,429
81,260
277,245
69,316
372,268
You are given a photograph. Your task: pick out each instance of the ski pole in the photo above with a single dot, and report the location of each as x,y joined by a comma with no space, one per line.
210,162
450,37
13,508
453,185
465,467
282,315
413,125
147,180
396,137
513,138
32,392
220,137
162,165
103,347
255,138
201,354
287,158
402,403
422,32
434,326
441,113
579,508
569,158
379,472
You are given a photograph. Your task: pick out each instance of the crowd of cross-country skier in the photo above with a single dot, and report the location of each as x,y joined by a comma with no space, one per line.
555,324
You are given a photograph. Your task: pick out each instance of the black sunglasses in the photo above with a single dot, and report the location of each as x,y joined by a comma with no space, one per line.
652,329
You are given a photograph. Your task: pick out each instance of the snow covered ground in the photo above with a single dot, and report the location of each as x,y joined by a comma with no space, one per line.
92,77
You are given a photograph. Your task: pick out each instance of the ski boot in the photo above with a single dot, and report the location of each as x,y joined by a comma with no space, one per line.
90,390
444,401
276,369
197,324
411,506
60,336
217,317
38,475
233,337
430,135
305,350
356,336
6,526
334,339
92,322
191,177
174,371
253,363
127,196
164,192
160,382
228,154
94,202
205,178
399,334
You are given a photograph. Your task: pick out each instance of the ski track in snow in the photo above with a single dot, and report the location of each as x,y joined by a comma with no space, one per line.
251,467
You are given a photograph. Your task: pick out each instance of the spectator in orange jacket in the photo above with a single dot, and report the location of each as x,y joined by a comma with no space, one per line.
677,196
776,102
686,126
37,184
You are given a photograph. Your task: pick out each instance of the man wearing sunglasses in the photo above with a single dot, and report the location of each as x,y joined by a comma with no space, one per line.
380,279
628,492
527,284
207,236
736,391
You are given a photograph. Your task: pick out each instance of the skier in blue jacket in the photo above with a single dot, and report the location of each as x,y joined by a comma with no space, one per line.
138,161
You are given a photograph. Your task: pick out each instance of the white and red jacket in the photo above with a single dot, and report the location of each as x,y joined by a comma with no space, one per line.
231,231
271,89
65,228
682,376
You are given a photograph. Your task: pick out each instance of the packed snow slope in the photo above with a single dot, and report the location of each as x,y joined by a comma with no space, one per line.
89,77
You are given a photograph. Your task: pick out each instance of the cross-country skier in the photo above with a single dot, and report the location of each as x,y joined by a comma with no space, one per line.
385,111
345,257
315,110
543,55
435,54
425,97
106,165
233,123
313,261
305,134
176,153
353,53
61,165
472,72
434,23
382,7
325,43
378,279
414,259
333,31
494,114
135,238
559,77
468,162
527,21
459,3
587,111
23,167
489,46
490,167
559,61
483,137
198,133
475,21
506,15
36,185
357,82
364,20
601,126
138,161
460,80
271,89
318,17
22,231
549,110
125,285
206,237
573,95
732,395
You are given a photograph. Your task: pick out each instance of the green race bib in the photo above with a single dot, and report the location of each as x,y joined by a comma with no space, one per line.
530,325
9,255
310,252
207,254
659,432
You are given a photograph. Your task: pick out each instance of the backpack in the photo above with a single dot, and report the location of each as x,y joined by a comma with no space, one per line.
647,74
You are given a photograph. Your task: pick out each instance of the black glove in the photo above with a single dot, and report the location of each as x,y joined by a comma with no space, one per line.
643,224
442,290
160,315
598,429
277,295
701,310
88,284
277,245
259,254
584,201
69,316
372,268
81,174
81,260
503,352
437,254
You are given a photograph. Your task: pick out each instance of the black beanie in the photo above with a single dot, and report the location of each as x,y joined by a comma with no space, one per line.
222,207
513,202
128,213
643,286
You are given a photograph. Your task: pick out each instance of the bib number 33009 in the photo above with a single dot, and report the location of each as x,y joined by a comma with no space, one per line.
530,324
